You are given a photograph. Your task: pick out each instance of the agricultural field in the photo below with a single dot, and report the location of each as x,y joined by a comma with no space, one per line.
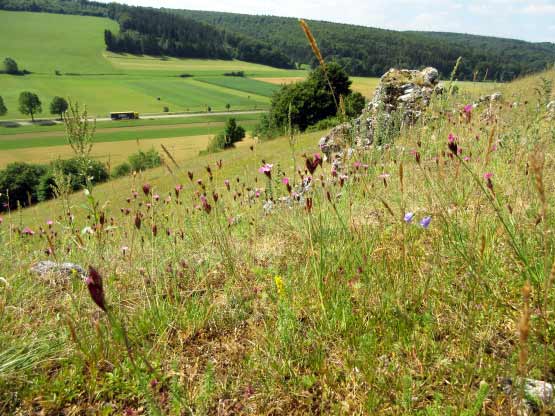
108,82
114,141
415,281
196,67
249,85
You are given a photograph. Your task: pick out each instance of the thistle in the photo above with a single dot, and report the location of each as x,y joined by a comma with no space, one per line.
146,188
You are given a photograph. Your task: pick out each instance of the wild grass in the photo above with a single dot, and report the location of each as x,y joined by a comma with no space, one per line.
222,302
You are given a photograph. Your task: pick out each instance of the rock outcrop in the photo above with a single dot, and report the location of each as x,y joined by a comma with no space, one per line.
538,394
400,98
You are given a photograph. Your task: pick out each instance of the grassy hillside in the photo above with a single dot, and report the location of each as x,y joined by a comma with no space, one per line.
43,43
219,301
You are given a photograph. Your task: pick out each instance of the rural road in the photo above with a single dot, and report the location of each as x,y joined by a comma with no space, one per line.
25,122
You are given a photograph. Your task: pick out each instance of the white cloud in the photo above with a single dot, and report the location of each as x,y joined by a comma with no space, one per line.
539,8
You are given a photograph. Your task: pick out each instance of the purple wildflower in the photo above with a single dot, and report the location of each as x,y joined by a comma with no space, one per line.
28,231
408,217
425,223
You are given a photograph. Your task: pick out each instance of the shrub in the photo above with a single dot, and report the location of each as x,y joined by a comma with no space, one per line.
144,160
121,170
10,66
18,184
217,144
354,104
166,109
305,103
325,124
231,135
3,109
73,168
235,74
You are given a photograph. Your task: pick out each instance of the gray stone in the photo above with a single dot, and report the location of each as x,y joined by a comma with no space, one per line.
402,94
48,268
537,394
496,96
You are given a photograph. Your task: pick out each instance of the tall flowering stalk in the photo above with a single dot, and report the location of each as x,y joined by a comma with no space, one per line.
318,54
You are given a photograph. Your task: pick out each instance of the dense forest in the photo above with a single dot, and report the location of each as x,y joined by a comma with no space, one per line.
370,52
279,42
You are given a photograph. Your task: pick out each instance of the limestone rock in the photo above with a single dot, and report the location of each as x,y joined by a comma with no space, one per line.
537,394
57,273
402,95
496,96
335,139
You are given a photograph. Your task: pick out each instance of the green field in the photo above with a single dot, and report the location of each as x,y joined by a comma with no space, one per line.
108,82
144,121
43,43
15,142
244,84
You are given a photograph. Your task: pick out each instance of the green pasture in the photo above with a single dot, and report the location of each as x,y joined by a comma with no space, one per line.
244,84
43,43
196,67
108,82
16,142
59,127
103,94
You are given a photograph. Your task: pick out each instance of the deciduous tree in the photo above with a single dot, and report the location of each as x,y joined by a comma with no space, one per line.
58,106
29,104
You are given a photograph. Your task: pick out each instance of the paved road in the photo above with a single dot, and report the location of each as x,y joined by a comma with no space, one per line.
156,116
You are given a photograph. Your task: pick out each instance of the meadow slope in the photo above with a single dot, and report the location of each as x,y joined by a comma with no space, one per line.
412,282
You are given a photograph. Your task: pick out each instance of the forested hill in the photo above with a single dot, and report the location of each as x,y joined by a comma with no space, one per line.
371,52
279,41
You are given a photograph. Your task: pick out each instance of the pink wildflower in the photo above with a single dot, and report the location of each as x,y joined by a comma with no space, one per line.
28,231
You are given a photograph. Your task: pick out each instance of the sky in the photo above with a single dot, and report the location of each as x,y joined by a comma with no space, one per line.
532,20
